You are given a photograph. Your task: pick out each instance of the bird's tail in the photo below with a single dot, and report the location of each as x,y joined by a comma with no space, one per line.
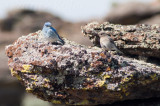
119,52
61,40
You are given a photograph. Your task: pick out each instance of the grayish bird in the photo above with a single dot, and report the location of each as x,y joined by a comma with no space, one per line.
107,42
50,34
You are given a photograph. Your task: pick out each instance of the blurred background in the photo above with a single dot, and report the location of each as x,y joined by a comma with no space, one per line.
21,17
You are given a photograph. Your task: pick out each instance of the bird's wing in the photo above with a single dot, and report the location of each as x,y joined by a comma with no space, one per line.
53,34
56,33
54,30
110,39
103,42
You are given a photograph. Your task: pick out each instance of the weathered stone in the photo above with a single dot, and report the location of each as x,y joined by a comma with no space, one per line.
140,40
80,75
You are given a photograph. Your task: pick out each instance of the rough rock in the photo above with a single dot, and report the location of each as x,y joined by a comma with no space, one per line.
20,22
135,40
132,13
79,75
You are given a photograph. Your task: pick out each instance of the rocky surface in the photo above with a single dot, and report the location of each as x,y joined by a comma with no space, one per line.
134,40
20,22
80,75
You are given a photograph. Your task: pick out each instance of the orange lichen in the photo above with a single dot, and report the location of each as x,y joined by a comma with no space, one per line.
108,69
96,63
103,55
33,34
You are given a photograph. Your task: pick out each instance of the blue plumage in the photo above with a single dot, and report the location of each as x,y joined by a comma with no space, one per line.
50,33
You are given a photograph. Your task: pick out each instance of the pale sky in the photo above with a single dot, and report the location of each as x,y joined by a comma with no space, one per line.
70,10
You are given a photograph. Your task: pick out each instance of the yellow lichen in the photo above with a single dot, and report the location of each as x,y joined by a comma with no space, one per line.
26,68
154,77
34,83
46,80
35,78
56,101
106,76
84,102
46,85
85,88
18,77
88,79
124,89
126,79
13,72
67,103
127,93
29,89
100,83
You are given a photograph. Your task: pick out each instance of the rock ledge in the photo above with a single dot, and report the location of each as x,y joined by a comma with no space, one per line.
79,75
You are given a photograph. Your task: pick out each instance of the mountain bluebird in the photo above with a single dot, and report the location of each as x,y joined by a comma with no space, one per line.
50,34
107,43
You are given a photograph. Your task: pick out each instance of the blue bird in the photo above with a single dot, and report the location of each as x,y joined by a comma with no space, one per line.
50,33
